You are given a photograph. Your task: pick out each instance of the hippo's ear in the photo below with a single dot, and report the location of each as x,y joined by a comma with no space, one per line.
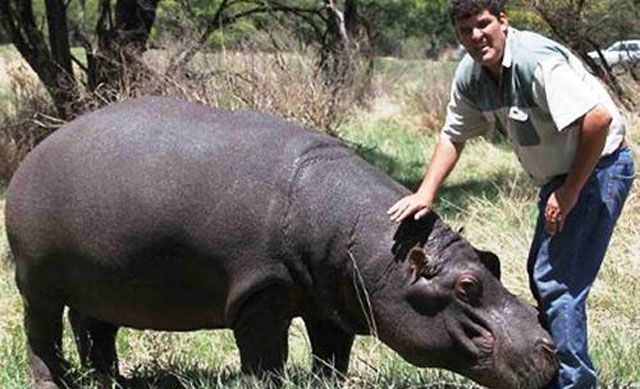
421,264
490,261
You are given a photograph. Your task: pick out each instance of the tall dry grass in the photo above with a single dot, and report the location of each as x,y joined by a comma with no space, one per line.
428,99
29,118
288,85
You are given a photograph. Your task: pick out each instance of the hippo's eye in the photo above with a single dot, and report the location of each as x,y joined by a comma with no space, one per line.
468,288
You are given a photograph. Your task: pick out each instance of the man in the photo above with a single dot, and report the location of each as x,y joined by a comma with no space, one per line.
569,137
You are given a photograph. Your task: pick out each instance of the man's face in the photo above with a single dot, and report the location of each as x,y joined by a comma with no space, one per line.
483,36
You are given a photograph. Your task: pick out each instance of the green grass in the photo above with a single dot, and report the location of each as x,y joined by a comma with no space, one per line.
488,194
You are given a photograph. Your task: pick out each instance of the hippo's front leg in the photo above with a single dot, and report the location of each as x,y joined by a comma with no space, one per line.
330,345
261,331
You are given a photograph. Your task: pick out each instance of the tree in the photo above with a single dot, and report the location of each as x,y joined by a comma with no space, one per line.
219,15
345,34
587,25
120,31
124,26
397,22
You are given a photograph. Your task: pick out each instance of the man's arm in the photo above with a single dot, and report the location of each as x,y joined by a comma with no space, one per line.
593,129
442,162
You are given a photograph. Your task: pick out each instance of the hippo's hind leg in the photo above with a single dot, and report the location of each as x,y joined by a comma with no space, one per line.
330,346
261,332
43,327
96,343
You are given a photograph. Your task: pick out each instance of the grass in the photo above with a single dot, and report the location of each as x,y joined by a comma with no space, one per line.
488,194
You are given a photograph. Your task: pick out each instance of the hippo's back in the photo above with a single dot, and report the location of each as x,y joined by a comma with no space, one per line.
156,155
153,136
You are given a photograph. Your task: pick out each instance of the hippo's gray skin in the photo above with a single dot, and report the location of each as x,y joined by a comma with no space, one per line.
166,215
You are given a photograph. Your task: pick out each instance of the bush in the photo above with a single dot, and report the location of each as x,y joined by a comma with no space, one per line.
286,84
30,118
430,97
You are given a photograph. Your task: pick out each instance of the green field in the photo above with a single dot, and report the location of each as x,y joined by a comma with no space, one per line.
488,194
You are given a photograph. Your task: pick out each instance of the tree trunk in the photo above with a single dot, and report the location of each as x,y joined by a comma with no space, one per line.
337,51
134,19
18,20
121,39
59,34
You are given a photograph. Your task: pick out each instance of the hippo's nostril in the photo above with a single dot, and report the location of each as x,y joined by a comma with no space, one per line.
546,346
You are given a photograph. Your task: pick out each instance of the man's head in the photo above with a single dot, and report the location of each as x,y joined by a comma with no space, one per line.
481,27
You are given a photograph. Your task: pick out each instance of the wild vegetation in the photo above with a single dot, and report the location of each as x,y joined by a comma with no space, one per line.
488,195
389,113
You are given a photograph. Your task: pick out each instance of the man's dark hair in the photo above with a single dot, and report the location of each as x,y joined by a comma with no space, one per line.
462,9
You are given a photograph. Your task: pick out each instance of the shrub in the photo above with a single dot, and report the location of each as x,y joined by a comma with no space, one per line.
429,99
288,84
29,119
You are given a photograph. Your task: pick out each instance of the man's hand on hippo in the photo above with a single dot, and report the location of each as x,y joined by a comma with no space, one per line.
420,203
415,204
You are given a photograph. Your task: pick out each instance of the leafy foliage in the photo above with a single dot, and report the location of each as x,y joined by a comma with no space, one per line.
400,27
603,21
584,26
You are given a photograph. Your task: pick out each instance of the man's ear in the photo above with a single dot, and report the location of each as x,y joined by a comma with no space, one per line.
490,261
504,21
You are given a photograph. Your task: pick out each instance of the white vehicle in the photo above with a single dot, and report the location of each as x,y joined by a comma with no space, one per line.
626,53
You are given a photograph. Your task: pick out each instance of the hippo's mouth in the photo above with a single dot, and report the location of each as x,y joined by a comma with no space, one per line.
485,356
471,334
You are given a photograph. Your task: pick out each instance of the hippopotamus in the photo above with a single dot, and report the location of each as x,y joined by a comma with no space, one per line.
168,215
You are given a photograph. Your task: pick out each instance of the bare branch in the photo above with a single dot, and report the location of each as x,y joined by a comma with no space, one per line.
220,20
339,18
79,64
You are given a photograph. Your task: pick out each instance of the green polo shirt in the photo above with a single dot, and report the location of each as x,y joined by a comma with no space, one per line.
544,89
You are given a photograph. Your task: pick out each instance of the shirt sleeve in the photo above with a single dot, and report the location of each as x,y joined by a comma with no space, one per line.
464,119
563,92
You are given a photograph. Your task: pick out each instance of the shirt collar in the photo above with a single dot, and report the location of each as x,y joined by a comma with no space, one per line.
507,58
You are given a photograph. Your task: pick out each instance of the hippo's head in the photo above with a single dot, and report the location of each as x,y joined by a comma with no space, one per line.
443,306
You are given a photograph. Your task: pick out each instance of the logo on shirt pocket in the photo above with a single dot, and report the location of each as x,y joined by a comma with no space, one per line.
522,129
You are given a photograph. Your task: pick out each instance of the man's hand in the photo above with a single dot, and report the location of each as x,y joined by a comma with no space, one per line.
593,133
444,158
414,204
559,205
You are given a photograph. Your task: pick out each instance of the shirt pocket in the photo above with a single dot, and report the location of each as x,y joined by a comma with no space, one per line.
522,129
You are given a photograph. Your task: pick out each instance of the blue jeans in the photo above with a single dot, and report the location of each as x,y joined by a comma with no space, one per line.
563,267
